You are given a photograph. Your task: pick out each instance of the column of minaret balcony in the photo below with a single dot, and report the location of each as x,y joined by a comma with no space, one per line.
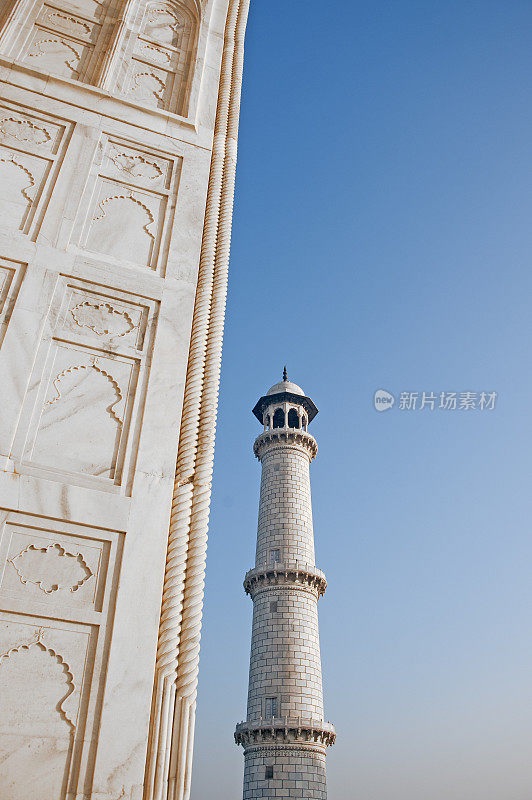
285,735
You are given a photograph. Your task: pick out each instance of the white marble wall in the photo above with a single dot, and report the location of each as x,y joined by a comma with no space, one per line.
102,199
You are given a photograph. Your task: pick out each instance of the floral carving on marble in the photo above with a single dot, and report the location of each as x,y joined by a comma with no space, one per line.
56,46
23,189
148,86
70,570
102,318
129,197
24,130
135,165
80,367
75,26
19,650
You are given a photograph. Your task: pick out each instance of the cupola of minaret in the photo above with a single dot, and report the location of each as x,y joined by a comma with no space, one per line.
285,734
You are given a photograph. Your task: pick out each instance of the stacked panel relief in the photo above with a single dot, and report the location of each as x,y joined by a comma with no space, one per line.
102,197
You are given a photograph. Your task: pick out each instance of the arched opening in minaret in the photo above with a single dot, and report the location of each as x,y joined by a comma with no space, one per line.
293,418
278,418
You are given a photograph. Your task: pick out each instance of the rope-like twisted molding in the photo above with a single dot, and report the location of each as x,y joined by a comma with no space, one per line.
173,714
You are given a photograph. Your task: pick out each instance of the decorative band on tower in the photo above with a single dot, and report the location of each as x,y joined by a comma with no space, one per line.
285,735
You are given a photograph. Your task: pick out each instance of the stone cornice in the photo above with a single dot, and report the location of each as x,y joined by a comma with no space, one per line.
285,730
285,437
109,104
295,575
275,749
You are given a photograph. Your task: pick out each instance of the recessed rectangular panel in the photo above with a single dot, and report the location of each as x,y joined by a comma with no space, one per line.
22,178
31,149
29,132
126,224
82,421
133,165
52,568
57,53
58,20
82,413
58,585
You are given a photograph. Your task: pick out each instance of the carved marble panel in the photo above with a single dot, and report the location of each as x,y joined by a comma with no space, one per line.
163,53
32,145
57,591
22,179
154,53
149,85
82,421
118,321
29,132
43,668
46,567
161,24
58,20
11,275
91,9
57,53
126,212
133,165
126,223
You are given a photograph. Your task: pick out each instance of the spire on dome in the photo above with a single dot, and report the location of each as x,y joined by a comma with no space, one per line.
285,374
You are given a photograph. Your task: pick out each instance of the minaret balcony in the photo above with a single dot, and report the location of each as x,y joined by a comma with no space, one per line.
285,730
295,574
285,436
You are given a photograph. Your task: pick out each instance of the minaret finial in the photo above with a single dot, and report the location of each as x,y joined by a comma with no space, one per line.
285,374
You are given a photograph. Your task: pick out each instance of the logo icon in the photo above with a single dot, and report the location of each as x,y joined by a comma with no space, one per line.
383,400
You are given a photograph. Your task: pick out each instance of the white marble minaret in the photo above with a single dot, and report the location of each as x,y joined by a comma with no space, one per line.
285,735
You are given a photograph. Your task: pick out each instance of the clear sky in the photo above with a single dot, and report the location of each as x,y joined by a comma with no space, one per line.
382,238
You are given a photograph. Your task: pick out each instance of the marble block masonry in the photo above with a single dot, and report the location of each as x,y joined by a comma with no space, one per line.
118,136
285,735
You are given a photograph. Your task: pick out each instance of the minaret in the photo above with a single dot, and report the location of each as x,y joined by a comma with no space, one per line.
285,735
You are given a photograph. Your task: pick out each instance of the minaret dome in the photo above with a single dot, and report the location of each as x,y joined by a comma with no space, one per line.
285,405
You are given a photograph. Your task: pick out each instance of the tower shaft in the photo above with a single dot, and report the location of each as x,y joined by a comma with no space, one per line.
284,735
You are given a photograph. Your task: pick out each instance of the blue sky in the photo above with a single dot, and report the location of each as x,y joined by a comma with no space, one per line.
382,238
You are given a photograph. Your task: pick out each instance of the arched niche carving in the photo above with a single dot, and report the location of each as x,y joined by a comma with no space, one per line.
162,63
38,707
81,423
67,37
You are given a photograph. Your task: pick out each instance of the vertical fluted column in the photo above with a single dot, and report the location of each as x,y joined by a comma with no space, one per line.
114,51
169,763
